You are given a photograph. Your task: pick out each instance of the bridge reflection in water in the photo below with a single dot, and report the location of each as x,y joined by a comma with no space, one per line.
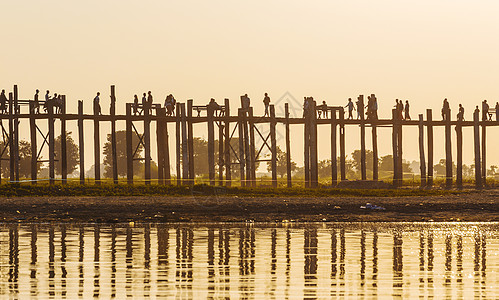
455,260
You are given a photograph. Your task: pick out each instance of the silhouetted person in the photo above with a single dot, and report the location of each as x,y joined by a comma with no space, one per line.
477,110
350,108
3,102
266,102
372,107
445,109
245,101
406,110
214,105
497,111
135,104
170,104
360,107
485,110
460,114
323,109
97,104
47,101
36,103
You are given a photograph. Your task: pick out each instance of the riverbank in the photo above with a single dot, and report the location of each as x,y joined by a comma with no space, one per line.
467,206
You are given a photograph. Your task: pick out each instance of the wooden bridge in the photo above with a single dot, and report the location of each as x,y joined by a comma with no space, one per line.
248,153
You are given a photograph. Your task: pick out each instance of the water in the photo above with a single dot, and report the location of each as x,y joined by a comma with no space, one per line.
255,261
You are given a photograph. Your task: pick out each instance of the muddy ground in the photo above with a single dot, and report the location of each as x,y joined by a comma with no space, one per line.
475,206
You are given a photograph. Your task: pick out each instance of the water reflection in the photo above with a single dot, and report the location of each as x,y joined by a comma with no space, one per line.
255,261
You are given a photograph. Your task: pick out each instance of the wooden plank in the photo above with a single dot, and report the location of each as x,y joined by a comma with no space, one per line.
422,162
476,139
228,175
211,145
114,153
273,145
363,171
342,145
459,144
429,128
288,146
334,154
34,146
190,140
241,147
252,147
129,144
448,151
81,142
63,157
314,174
147,144
178,144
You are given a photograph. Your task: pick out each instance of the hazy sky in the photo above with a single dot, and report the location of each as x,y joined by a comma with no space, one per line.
422,51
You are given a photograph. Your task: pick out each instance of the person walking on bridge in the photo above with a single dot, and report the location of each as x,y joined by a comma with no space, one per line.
445,109
485,110
406,110
97,110
350,108
460,114
36,103
3,102
266,102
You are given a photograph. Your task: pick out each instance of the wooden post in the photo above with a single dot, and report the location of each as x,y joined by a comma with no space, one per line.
81,142
147,144
478,164
334,163
252,146
399,156
51,144
314,176
273,145
190,140
306,154
448,151
288,146
246,146
63,158
96,147
160,113
166,149
114,153
422,162
12,139
363,171
16,133
129,144
395,147
34,146
178,144
484,152
211,145
220,151
375,149
429,127
241,146
228,175
185,151
459,141
342,144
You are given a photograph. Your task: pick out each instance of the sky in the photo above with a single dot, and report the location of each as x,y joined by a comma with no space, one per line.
422,51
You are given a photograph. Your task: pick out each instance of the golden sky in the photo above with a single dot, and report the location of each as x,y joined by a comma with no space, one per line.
422,51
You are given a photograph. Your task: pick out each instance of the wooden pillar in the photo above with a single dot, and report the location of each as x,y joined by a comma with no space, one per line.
342,145
51,144
228,175
273,145
314,176
16,133
448,151
363,171
247,153
96,147
81,142
395,147
476,139
374,135
34,146
399,156
252,147
147,144
220,151
288,146
334,163
166,149
241,146
185,151
484,152
306,153
211,145
190,140
459,141
160,113
129,144
429,127
422,162
178,144
12,139
114,153
63,158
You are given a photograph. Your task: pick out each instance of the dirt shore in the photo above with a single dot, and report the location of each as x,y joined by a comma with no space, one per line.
475,206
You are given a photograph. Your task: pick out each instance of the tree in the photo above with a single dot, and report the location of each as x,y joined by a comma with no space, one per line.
440,168
72,155
24,159
356,161
281,163
386,164
121,154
